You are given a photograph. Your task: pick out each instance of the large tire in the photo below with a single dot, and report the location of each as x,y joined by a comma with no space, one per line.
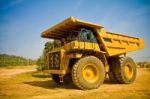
112,77
66,79
111,74
88,73
125,70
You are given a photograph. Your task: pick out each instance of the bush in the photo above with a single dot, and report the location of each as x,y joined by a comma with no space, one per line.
143,64
12,60
40,63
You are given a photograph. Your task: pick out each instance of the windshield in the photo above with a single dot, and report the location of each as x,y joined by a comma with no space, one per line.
83,34
87,35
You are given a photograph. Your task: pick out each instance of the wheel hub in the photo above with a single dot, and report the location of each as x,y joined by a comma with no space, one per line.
90,73
128,70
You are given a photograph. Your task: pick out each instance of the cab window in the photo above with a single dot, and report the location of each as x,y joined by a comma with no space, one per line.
87,35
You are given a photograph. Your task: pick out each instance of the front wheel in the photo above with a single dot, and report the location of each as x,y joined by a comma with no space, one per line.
88,73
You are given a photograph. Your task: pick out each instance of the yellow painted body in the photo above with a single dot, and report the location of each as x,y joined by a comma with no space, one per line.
109,43
74,45
82,46
116,44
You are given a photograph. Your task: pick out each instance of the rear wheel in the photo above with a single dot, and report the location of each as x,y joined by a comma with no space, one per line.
88,73
111,74
125,70
112,77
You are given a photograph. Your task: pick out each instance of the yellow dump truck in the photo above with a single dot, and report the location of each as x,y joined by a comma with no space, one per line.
88,53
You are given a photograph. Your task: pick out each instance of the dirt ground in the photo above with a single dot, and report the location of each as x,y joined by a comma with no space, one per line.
37,85
8,72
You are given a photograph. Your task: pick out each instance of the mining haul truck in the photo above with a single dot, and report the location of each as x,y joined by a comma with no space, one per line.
88,52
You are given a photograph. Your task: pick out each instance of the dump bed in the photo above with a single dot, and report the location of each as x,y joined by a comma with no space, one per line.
109,42
114,43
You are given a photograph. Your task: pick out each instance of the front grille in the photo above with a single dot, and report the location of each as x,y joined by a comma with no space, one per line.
54,60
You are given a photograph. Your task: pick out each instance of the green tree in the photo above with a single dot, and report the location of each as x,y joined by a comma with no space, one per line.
144,64
12,60
41,61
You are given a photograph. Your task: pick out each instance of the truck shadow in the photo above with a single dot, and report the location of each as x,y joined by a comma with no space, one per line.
50,84
44,82
108,81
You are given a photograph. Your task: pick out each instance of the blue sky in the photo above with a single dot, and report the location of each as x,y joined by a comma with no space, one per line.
22,21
